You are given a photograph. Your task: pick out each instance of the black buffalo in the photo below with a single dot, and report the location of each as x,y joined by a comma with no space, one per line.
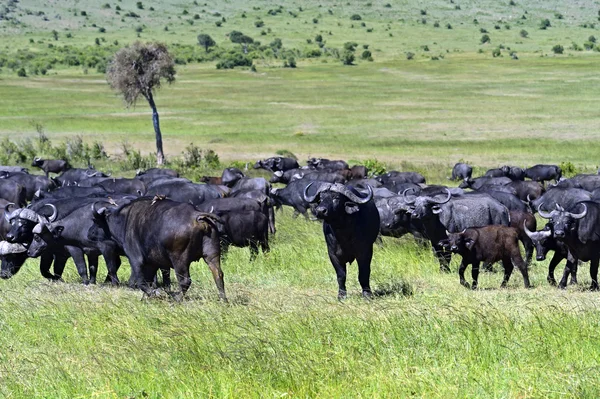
565,197
579,228
162,234
51,165
73,176
544,173
544,242
31,183
275,164
461,171
322,163
350,226
13,192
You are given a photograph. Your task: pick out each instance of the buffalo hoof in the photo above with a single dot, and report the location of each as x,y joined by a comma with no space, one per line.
367,295
465,284
474,286
573,281
445,269
93,281
594,286
85,282
341,295
551,281
562,286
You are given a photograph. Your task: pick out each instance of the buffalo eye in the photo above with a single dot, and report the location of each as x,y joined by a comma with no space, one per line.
336,202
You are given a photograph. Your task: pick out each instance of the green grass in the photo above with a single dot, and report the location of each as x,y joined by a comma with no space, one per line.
283,332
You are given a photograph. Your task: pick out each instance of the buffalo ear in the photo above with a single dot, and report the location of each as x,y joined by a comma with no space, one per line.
436,209
57,231
351,208
469,243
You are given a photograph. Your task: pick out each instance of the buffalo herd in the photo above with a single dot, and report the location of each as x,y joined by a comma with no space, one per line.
161,221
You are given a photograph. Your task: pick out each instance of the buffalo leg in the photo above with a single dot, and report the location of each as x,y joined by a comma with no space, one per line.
556,259
166,278
60,261
182,272
45,263
528,245
443,257
475,274
93,267
364,271
340,271
113,261
594,273
253,250
518,261
461,272
79,259
272,229
214,264
508,268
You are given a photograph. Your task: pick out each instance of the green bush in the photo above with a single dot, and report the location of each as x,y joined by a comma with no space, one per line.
347,57
410,55
544,24
485,39
558,49
22,73
524,34
568,169
290,63
375,167
233,60
355,17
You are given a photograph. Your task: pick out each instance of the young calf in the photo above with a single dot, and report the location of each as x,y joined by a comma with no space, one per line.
488,244
544,241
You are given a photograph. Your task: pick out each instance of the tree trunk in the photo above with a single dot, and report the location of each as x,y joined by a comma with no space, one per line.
160,156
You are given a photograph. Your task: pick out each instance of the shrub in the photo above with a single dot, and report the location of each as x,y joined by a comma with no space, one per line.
375,167
524,34
448,26
350,46
423,12
102,30
485,39
366,55
355,17
233,60
483,30
558,15
139,5
319,38
83,14
410,55
568,169
22,73
512,3
558,49
259,23
106,6
290,63
592,39
436,24
315,21
218,23
544,24
496,52
588,45
347,57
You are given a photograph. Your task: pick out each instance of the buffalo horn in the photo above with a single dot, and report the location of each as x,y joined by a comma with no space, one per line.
408,201
579,215
312,198
93,174
443,201
351,193
7,248
36,159
52,217
544,214
209,217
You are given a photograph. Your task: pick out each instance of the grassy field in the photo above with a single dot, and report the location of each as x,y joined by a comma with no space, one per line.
283,332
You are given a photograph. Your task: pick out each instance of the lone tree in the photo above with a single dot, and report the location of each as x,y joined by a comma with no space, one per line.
138,70
206,41
238,37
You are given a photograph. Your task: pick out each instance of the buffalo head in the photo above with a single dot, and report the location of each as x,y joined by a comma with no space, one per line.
539,239
424,205
459,242
563,222
335,200
13,256
23,221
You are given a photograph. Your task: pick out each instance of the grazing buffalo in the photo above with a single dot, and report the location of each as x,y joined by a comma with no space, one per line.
150,175
13,169
585,182
71,192
275,164
183,190
488,244
542,173
51,165
579,228
527,190
124,186
162,234
330,177
496,172
350,225
521,221
250,183
544,241
461,171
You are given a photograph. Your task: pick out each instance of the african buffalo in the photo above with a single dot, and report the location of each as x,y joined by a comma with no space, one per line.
51,165
461,171
542,173
350,226
488,244
544,241
275,164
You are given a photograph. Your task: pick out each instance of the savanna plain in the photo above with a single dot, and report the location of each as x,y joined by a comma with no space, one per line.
283,332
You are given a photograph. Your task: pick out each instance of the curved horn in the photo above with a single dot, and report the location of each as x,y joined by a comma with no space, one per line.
443,201
310,199
408,201
352,194
527,231
52,217
36,159
109,174
94,173
578,215
528,198
544,214
7,206
211,218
